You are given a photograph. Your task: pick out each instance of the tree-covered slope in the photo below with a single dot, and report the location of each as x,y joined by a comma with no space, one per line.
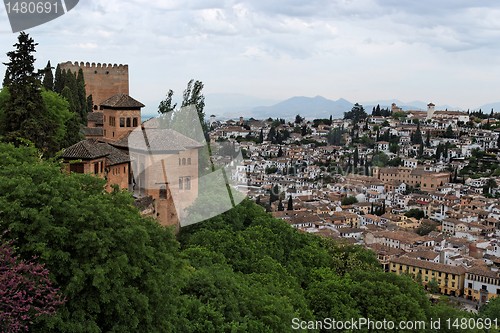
242,271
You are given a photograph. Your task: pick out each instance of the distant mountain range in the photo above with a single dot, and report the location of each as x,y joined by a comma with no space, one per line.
308,107
236,105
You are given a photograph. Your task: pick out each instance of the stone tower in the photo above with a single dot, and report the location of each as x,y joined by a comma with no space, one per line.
430,110
101,80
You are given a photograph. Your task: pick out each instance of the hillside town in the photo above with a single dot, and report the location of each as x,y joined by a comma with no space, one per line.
420,188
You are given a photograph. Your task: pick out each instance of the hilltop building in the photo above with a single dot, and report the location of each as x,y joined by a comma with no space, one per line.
101,80
412,176
157,165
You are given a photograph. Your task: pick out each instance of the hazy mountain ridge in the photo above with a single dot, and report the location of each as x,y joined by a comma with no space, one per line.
235,105
308,107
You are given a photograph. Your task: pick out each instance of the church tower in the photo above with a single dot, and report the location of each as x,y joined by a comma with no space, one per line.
430,111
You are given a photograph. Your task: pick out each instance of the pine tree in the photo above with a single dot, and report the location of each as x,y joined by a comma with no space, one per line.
25,115
48,77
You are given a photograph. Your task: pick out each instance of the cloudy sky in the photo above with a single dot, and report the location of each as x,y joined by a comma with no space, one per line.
444,51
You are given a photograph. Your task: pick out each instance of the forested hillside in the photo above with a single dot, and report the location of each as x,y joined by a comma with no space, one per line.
242,271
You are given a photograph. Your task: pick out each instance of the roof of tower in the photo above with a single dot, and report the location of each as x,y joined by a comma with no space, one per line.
122,101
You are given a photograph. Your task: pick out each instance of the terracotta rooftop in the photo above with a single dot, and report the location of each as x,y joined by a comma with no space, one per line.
85,150
92,149
96,117
122,101
484,272
93,131
429,265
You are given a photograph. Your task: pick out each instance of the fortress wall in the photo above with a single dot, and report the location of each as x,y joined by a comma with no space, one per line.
101,80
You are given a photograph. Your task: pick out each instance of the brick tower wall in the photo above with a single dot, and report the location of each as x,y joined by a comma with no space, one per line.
101,80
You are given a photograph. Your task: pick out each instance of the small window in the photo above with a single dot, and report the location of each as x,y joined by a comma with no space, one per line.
128,122
96,168
163,192
179,161
135,122
180,183
122,122
183,161
189,160
95,107
187,183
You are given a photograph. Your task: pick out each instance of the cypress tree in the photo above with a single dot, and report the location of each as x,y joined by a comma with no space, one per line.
58,80
290,203
48,77
356,157
417,138
68,95
82,96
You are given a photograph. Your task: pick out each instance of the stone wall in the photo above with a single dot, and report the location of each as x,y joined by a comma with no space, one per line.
101,80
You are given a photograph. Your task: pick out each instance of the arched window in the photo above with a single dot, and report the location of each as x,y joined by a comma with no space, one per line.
179,161
134,122
128,122
180,183
184,161
189,160
187,183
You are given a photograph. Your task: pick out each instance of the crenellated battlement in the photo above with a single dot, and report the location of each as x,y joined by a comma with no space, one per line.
93,65
102,80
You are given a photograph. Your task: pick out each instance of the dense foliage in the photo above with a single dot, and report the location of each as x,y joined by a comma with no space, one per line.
26,291
30,110
242,271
